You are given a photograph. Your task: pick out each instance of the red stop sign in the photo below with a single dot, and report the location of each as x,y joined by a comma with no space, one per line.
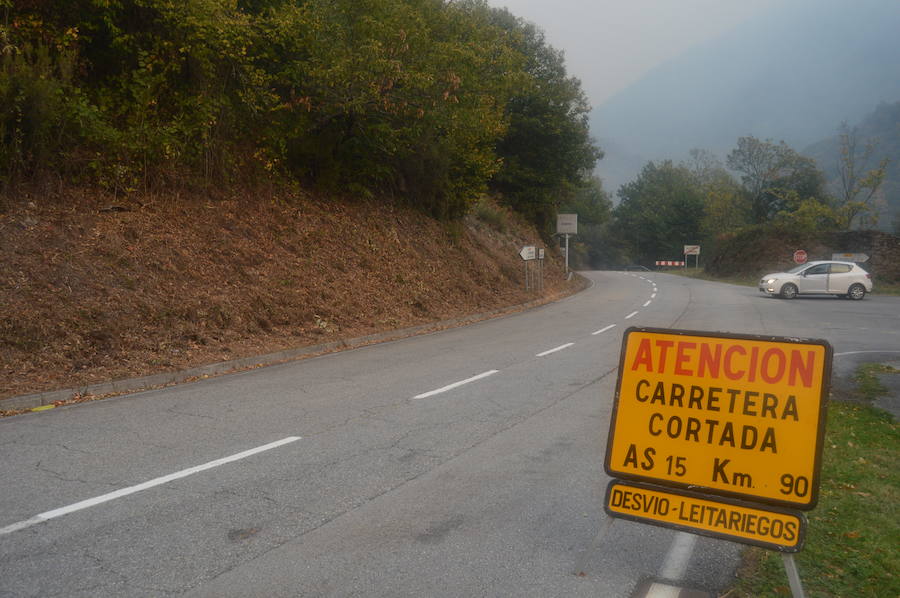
799,257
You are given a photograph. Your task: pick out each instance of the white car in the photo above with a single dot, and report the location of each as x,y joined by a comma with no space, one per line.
843,279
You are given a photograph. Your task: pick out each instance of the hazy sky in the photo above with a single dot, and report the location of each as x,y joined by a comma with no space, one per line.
610,43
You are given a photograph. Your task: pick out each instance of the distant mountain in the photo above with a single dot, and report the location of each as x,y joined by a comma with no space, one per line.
793,74
881,127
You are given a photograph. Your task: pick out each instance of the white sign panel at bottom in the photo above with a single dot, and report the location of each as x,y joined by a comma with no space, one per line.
527,252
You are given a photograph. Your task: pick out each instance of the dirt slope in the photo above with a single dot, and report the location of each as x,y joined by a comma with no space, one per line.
93,288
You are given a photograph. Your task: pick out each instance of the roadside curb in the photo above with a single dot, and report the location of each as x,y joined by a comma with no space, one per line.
154,381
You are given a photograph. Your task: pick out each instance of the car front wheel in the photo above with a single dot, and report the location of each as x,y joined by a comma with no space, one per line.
788,291
856,292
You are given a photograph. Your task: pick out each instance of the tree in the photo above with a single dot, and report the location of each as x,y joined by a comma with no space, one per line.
858,183
770,171
547,150
726,207
660,212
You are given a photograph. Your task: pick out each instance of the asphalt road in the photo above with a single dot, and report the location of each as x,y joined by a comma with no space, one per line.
462,463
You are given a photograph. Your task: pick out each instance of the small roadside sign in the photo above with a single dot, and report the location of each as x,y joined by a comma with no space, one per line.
541,253
691,250
527,252
726,414
567,224
850,257
768,527
800,256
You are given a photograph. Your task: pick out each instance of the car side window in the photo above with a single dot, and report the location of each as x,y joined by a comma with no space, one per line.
840,268
819,269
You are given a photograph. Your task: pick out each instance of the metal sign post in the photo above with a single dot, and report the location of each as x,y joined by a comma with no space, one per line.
692,250
527,254
567,224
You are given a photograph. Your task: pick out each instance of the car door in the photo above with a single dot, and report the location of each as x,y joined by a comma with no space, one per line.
814,279
839,278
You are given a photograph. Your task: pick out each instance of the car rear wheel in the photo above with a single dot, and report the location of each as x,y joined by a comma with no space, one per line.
788,291
856,292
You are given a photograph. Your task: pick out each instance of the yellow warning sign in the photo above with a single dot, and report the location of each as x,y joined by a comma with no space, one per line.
734,415
773,528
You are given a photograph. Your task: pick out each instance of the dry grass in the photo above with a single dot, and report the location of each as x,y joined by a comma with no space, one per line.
94,288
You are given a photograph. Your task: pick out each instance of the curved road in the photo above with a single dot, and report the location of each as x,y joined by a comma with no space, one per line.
462,463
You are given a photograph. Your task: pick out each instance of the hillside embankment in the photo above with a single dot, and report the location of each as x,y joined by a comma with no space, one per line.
754,253
96,288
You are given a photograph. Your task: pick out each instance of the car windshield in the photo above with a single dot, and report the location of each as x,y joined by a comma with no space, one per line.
797,269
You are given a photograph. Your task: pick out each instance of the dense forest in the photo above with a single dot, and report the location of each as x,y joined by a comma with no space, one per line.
425,101
433,102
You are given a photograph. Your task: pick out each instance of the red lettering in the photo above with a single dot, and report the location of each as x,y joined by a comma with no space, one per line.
768,357
682,357
663,349
804,370
644,356
754,356
729,371
710,361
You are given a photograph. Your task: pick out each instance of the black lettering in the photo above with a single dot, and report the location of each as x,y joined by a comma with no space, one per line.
790,409
768,442
637,390
770,402
750,524
790,531
712,401
719,470
647,465
659,394
650,424
733,393
693,429
748,437
727,435
721,518
630,457
712,423
677,395
695,401
615,499
750,402
674,427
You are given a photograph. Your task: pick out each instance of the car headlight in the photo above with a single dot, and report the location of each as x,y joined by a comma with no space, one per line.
770,280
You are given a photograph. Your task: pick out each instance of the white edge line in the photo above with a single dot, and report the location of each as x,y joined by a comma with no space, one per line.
602,330
90,502
431,393
555,349
676,561
649,301
631,315
653,296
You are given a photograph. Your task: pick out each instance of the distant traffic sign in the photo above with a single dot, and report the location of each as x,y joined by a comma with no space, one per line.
567,224
850,257
733,415
800,256
691,250
527,252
